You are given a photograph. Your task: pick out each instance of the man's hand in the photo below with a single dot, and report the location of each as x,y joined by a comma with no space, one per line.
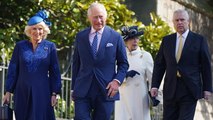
154,92
131,73
112,88
207,95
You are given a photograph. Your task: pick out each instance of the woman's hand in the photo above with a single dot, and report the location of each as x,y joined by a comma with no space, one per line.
6,98
53,100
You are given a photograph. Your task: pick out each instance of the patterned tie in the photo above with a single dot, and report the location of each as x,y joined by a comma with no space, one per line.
94,44
180,48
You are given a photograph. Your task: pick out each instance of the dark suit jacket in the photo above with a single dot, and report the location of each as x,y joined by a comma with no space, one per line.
194,66
111,52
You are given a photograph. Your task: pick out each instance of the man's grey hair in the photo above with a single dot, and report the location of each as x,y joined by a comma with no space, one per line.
96,4
183,12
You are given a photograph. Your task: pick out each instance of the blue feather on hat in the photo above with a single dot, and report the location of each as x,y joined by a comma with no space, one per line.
39,17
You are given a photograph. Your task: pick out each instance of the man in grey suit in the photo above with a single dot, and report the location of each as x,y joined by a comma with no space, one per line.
99,67
185,59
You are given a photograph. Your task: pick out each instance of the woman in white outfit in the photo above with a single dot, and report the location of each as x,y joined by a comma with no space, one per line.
134,103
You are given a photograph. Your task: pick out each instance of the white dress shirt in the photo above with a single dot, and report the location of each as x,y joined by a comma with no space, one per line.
92,35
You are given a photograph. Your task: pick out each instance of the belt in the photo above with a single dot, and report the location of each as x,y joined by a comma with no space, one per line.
178,74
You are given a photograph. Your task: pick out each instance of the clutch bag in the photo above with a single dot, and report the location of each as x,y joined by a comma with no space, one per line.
6,113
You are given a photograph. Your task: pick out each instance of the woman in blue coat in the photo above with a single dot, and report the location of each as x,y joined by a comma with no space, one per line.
33,73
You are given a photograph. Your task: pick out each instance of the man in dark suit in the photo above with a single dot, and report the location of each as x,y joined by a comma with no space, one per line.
95,76
185,59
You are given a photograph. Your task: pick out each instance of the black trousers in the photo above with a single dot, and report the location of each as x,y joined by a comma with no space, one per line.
182,106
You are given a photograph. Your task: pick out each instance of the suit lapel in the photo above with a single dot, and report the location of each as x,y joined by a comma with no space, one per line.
86,41
104,38
187,44
173,46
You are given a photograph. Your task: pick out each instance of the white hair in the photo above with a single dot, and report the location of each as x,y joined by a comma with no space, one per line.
45,27
183,12
96,4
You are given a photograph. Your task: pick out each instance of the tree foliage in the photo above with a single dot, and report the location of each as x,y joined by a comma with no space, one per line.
153,34
67,16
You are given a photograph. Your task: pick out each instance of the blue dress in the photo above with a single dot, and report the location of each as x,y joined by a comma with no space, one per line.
32,77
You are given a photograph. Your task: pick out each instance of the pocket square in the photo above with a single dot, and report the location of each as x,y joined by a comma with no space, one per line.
109,45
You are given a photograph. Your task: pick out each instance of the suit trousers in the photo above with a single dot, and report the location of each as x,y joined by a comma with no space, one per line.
183,104
94,106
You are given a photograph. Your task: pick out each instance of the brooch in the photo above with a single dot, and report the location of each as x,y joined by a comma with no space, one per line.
45,48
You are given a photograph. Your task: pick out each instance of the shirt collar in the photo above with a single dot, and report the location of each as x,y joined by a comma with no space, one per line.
184,35
93,30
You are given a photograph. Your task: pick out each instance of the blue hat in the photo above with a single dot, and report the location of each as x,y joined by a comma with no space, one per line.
130,32
39,17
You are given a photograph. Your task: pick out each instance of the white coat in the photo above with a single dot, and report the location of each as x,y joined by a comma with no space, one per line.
134,103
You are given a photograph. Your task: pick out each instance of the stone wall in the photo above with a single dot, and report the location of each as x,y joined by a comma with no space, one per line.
202,25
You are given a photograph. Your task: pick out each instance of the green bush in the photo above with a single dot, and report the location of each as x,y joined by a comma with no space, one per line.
153,34
64,110
67,16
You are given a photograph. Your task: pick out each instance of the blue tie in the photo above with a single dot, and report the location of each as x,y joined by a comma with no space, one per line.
94,44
